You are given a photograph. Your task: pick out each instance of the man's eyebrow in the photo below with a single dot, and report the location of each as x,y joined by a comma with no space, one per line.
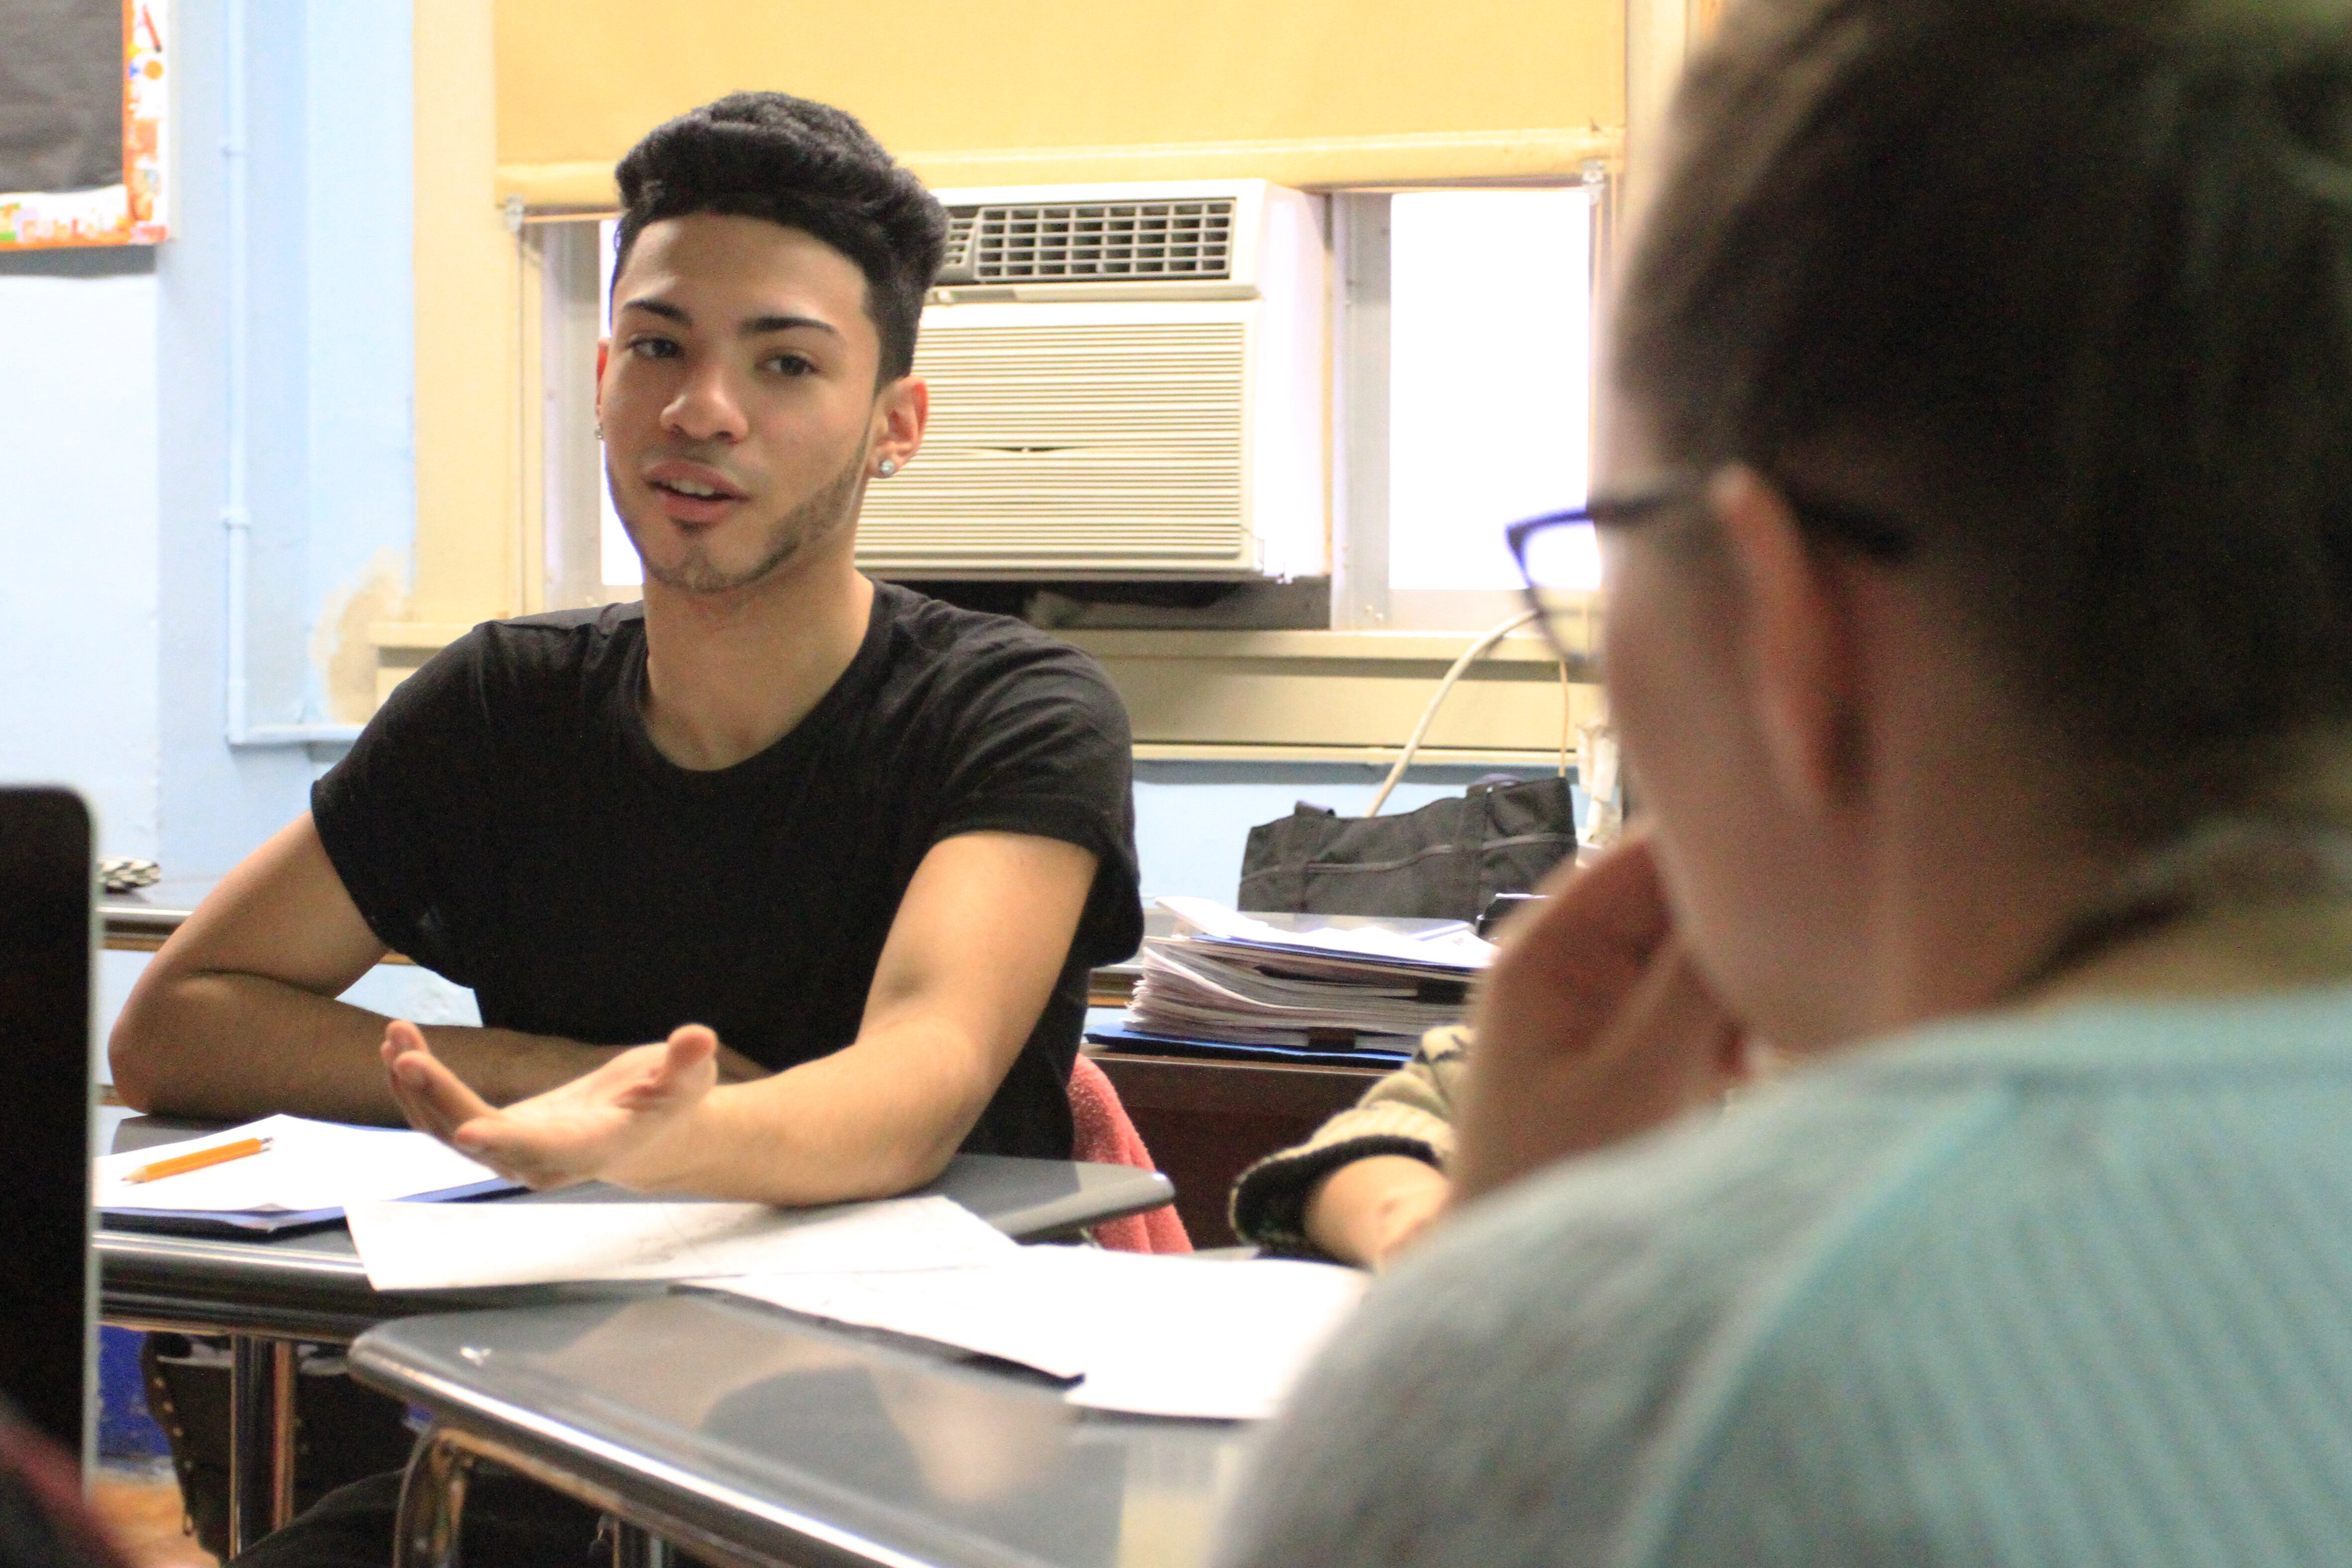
756,326
759,325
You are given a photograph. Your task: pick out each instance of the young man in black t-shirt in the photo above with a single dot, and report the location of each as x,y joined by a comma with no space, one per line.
843,855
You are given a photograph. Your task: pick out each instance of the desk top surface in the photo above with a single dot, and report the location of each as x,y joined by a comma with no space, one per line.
743,1426
312,1284
155,911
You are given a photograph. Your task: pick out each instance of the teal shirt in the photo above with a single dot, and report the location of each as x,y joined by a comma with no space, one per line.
2068,1288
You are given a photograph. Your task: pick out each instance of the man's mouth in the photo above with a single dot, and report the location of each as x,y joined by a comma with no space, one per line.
691,493
693,479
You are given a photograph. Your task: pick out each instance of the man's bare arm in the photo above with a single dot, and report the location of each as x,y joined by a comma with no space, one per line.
236,1016
979,941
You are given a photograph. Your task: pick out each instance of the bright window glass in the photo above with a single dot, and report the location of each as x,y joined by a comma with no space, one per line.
1490,312
620,568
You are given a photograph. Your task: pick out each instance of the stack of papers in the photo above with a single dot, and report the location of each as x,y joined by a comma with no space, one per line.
411,1246
1225,976
1149,1336
309,1173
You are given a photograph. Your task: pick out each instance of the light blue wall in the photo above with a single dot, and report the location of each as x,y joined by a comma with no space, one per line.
78,534
327,439
361,353
114,442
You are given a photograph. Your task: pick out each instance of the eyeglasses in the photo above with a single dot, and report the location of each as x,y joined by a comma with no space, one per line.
1557,564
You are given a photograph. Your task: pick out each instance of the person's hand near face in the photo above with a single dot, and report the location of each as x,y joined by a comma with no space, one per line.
1593,1027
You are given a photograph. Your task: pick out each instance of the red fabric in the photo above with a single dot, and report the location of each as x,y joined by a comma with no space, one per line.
1105,1136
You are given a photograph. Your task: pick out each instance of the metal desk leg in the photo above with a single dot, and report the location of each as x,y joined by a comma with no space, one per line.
431,1503
282,1388
260,1438
634,1548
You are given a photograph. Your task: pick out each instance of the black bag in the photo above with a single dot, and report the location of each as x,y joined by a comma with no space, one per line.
1444,860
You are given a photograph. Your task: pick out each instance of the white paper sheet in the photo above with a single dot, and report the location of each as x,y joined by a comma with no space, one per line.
1455,944
428,1246
1151,1336
1187,982
308,1165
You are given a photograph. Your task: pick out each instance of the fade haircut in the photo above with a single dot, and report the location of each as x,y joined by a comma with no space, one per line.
807,166
2078,276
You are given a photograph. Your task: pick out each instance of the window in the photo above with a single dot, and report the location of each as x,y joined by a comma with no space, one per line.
617,557
1463,390
1465,355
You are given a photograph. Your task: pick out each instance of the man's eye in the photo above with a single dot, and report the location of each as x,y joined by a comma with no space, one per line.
652,348
792,364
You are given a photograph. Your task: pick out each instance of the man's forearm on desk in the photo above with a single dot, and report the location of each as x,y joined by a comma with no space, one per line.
225,1045
873,1120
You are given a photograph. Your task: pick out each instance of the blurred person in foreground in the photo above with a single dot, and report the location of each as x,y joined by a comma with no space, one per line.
1978,509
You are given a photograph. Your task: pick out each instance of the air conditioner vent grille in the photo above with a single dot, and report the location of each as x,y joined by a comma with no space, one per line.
1074,449
1093,242
960,222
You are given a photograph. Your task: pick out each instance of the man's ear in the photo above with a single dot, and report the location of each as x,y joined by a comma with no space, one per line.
900,412
1801,640
603,352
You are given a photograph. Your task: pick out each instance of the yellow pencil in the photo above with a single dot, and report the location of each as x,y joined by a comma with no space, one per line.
220,1155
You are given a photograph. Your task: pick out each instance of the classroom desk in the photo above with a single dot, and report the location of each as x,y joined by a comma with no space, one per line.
265,1294
139,920
748,1436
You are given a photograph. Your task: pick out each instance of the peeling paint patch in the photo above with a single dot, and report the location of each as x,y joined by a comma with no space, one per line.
340,650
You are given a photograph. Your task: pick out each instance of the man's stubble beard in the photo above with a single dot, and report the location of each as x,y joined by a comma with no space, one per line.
812,522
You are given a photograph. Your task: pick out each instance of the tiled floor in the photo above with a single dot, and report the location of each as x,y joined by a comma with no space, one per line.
140,1503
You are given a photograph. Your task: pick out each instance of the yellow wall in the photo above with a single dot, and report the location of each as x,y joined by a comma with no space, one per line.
539,97
467,380
981,92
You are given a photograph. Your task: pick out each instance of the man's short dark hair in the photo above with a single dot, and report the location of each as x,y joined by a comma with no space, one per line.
807,166
2078,275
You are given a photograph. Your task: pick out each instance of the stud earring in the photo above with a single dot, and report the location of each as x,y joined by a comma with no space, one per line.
887,467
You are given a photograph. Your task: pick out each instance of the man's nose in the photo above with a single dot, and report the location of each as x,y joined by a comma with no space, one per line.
705,408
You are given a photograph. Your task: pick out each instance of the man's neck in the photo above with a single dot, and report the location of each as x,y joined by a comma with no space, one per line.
729,675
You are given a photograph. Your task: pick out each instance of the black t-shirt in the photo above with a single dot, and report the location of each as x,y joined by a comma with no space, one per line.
505,821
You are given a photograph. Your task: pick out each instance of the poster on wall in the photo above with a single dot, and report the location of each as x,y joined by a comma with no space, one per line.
133,210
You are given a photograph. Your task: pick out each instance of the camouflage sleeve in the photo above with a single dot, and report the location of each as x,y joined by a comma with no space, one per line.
1409,1112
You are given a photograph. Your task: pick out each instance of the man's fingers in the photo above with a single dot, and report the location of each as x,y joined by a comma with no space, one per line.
421,1112
690,1045
683,1066
410,1089
513,1151
423,1082
401,1037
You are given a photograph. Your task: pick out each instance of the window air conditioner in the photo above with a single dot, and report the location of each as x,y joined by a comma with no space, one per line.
1127,381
